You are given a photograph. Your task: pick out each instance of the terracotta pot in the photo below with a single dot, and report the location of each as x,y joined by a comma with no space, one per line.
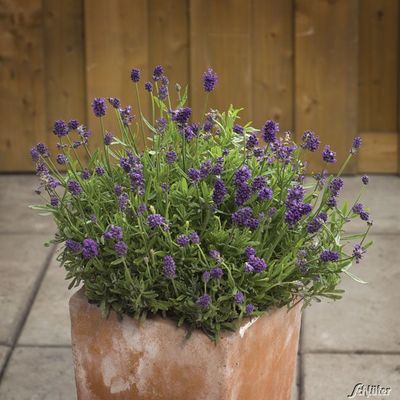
152,360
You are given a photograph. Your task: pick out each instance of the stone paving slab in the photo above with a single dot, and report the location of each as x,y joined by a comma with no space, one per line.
333,376
381,197
48,322
37,373
21,264
17,193
3,355
367,318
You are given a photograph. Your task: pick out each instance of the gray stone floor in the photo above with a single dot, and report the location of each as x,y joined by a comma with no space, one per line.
356,340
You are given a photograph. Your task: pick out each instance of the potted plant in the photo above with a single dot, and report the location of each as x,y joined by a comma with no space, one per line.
196,253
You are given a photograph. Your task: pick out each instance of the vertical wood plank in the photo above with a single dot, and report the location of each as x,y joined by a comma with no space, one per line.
272,60
169,40
65,62
220,33
326,73
22,102
378,65
116,38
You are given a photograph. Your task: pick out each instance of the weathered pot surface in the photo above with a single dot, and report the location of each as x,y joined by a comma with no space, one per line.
152,360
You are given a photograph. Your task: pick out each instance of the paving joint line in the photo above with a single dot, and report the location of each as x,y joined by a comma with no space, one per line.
25,314
44,346
354,352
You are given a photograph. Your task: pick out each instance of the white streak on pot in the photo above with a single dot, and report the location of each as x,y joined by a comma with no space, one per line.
244,328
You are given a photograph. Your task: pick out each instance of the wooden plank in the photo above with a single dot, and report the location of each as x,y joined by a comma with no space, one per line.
65,62
220,37
272,61
22,100
169,40
116,35
378,65
326,73
379,152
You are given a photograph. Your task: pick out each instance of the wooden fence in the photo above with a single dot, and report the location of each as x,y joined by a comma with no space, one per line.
327,65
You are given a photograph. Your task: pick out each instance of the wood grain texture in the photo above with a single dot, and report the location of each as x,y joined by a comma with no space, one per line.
220,37
272,60
22,100
169,40
116,40
379,152
378,65
326,73
65,63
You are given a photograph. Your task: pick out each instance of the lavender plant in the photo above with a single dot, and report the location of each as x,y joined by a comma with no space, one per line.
211,222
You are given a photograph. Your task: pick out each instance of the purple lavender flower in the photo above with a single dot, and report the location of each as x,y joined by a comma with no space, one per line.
272,211
115,102
54,201
265,194
210,79
204,301
219,192
170,157
194,175
206,276
141,209
182,240
365,179
258,183
207,125
60,128
238,129
123,201
242,194
73,124
205,168
85,174
239,297
74,188
218,167
61,159
314,225
126,115
148,86
364,215
165,80
217,273
135,75
329,256
311,142
34,154
100,171
161,125
41,169
331,202
169,268
72,245
242,175
357,208
358,252
249,308
242,216
335,186
121,248
257,263
113,232
356,144
194,237
90,248
118,190
155,220
269,131
249,252
99,107
328,155
163,92
252,141
158,72
215,254
258,153
181,115
108,138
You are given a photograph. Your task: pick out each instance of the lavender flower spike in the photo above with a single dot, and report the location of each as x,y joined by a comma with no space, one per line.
99,107
210,79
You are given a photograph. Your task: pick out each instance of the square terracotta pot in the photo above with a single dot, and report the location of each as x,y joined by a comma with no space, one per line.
152,360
